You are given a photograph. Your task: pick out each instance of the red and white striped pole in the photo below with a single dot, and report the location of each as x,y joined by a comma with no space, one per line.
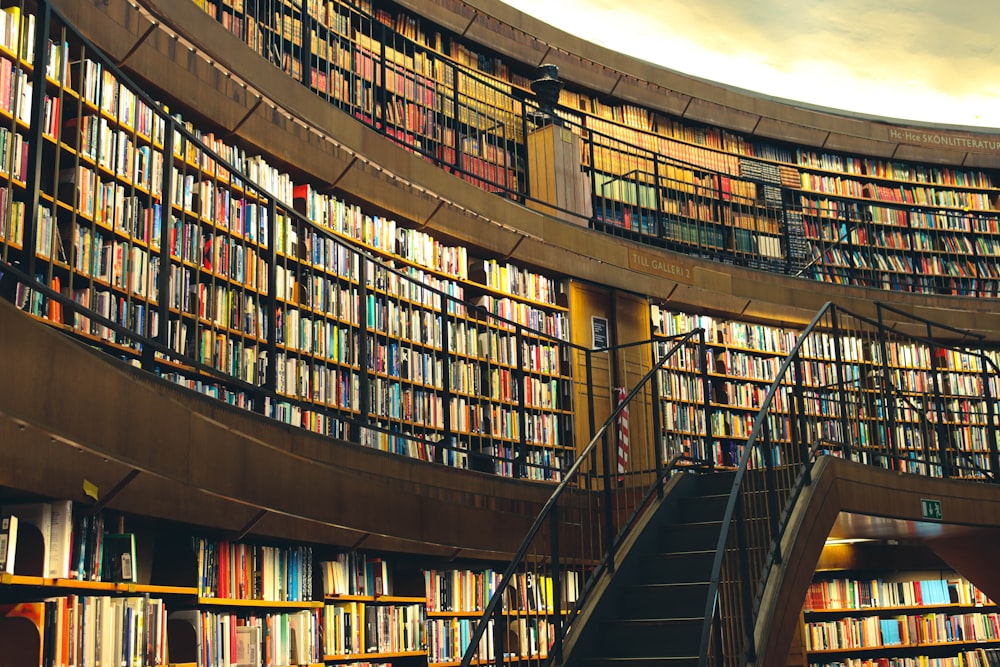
623,437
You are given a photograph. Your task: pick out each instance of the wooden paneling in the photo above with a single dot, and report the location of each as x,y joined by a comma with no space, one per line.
494,224
587,301
631,323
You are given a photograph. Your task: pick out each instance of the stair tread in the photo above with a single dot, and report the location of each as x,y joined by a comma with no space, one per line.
641,660
692,524
665,584
656,620
666,602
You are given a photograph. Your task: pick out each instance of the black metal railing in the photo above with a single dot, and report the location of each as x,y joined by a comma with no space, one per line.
576,536
916,399
742,209
206,266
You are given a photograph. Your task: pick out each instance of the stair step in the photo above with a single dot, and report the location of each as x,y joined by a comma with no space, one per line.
668,661
700,509
694,536
716,483
665,600
678,568
649,638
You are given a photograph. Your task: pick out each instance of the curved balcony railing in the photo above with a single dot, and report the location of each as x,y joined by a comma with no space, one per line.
136,231
917,398
785,213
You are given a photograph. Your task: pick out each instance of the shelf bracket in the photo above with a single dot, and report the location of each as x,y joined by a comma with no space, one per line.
430,217
139,42
362,540
242,533
350,165
246,117
511,252
115,490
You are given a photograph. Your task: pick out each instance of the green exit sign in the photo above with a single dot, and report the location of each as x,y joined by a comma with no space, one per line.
930,509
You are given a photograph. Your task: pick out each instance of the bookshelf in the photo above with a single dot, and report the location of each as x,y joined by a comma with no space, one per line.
931,397
368,615
456,599
706,191
210,266
412,94
886,613
72,595
254,605
200,599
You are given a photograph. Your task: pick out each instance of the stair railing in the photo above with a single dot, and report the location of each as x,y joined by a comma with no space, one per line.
908,399
577,534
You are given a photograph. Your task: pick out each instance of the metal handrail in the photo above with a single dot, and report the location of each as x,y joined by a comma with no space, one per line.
570,481
758,457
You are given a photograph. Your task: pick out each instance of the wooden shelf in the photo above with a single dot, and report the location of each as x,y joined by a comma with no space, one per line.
260,604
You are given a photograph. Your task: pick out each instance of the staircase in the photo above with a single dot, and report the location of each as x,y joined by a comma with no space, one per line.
652,611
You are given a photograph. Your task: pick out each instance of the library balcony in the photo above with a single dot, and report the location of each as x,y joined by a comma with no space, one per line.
292,285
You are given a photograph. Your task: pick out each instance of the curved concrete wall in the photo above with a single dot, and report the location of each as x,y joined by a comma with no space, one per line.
971,512
208,69
70,415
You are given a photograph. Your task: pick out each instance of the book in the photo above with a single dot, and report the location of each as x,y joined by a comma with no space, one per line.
86,559
60,538
119,558
248,643
8,543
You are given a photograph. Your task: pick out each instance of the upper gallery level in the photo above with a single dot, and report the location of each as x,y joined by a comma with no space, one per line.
613,79
665,160
288,259
703,191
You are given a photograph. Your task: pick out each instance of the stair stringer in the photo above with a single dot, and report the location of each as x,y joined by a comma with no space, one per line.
605,599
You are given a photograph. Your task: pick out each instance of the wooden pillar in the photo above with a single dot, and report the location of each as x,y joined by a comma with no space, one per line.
554,175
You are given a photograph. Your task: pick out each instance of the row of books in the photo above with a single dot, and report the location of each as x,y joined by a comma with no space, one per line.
89,630
878,593
893,169
448,639
356,573
746,337
238,571
321,337
979,657
511,279
398,401
354,628
229,639
49,540
916,629
307,379
15,91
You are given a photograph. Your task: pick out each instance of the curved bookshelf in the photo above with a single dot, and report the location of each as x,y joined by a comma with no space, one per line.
743,208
